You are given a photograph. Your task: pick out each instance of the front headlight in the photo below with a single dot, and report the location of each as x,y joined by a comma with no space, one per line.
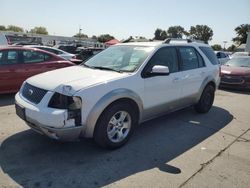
72,104
61,101
75,103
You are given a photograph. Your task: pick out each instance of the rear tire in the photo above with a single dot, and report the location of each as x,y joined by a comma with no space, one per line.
206,100
115,125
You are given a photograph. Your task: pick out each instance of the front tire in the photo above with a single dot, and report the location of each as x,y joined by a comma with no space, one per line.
206,100
115,125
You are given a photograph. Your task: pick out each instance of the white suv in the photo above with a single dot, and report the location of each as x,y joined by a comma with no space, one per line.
126,84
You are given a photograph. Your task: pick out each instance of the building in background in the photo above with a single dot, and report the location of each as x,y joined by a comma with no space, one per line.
9,38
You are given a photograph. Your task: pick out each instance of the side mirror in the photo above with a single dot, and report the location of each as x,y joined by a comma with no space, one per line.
160,70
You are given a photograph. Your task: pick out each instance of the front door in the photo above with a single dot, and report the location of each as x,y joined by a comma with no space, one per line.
161,93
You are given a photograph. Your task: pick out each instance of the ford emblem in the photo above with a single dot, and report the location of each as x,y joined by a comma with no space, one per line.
30,92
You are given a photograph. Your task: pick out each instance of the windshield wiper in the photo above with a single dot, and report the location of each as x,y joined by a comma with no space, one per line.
105,68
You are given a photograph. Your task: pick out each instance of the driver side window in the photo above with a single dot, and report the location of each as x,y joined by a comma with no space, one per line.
166,56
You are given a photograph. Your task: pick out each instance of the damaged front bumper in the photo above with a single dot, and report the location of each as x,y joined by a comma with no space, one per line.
63,134
51,122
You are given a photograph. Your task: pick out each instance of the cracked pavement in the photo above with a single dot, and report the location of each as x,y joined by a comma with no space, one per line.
182,149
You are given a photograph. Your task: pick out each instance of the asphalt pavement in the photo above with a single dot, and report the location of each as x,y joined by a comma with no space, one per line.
182,149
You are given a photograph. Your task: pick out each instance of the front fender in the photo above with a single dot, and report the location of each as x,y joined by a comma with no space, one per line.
106,100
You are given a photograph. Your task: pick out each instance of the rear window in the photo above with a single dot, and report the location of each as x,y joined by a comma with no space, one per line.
30,56
210,55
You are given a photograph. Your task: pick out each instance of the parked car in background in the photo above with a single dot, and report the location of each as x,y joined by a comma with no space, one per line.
67,48
124,85
86,53
19,63
61,53
223,57
56,51
237,54
235,73
26,44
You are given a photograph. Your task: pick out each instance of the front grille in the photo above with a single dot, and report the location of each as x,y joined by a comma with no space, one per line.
32,93
231,80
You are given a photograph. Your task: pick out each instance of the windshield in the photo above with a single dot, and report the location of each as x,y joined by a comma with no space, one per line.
239,62
120,58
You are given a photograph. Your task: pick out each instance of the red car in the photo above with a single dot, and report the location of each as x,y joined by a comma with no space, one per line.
235,73
19,63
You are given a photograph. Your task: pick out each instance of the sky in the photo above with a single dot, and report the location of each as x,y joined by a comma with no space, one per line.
124,18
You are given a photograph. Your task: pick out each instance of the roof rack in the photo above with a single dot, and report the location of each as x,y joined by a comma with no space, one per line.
168,40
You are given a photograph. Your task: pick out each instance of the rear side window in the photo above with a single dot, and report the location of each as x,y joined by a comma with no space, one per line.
30,56
210,55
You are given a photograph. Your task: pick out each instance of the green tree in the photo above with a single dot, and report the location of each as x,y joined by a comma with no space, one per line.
39,30
104,38
217,47
160,34
94,37
175,31
231,48
2,28
186,33
14,28
201,32
164,35
241,32
80,35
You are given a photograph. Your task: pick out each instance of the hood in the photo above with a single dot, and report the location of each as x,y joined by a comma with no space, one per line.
241,71
76,77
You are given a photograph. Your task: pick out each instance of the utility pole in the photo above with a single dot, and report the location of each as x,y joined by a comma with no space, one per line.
224,44
80,30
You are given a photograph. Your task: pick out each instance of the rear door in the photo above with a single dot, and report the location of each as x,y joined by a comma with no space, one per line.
193,71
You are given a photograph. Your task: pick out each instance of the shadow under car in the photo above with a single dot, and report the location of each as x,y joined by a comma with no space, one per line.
33,160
